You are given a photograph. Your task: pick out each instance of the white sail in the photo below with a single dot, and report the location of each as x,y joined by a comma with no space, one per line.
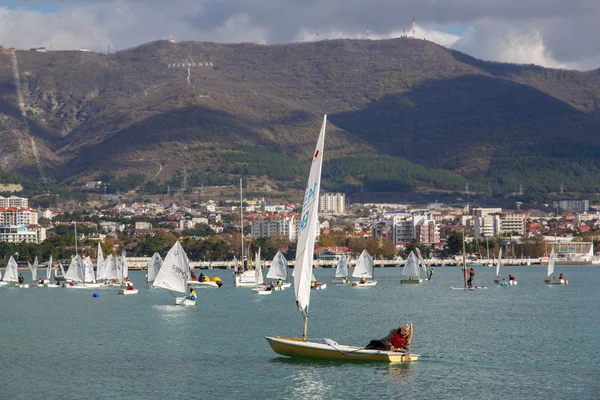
551,263
411,267
308,225
119,265
62,269
89,270
154,266
341,269
111,271
12,271
34,269
125,271
499,262
49,269
364,266
258,269
175,270
422,263
278,269
100,264
75,271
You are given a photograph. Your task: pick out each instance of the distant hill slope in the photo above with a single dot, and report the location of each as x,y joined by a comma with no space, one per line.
404,114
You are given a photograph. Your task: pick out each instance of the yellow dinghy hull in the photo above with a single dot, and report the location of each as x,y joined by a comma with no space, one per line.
298,348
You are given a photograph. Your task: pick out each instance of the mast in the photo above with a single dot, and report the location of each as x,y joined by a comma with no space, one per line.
487,243
464,259
75,224
242,220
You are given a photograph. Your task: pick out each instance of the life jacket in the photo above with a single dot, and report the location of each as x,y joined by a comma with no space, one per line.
398,341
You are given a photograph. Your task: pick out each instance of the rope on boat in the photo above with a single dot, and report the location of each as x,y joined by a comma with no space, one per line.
354,353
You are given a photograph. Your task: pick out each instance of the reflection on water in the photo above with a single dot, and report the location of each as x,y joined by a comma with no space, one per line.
399,371
308,384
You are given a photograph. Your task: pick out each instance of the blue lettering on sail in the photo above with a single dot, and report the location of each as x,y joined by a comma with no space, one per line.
304,220
310,193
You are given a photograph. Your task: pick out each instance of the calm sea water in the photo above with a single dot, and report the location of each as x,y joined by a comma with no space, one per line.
525,342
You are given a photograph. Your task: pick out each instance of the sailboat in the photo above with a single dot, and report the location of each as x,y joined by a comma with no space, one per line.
302,347
244,278
278,270
411,270
47,281
497,280
260,286
364,270
126,288
111,271
341,270
174,274
11,274
550,271
422,263
153,267
34,271
74,273
100,265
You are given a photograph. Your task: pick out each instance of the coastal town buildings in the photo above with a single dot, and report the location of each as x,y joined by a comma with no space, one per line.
333,203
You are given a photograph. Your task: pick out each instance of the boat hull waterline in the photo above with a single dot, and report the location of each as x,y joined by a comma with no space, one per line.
298,348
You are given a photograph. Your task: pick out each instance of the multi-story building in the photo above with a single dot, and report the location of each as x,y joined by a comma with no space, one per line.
572,205
487,226
334,203
284,226
19,216
21,234
14,201
512,222
482,212
143,225
422,228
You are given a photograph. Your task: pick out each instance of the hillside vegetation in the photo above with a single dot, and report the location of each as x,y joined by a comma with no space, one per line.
404,115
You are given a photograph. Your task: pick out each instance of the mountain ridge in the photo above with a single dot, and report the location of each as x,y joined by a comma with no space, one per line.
158,107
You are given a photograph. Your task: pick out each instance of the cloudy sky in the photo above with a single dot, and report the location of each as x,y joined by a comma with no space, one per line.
552,33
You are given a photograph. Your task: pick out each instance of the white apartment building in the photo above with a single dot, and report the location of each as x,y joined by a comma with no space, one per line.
18,216
499,224
20,234
14,201
286,227
422,228
487,226
334,203
512,222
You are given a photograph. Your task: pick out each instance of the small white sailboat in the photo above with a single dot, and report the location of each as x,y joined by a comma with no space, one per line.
48,281
11,273
89,278
279,271
153,267
341,270
411,270
100,265
301,347
111,271
260,287
34,271
174,275
126,288
364,270
422,263
550,271
74,274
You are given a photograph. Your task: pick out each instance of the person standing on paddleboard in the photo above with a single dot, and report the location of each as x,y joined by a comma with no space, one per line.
471,275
